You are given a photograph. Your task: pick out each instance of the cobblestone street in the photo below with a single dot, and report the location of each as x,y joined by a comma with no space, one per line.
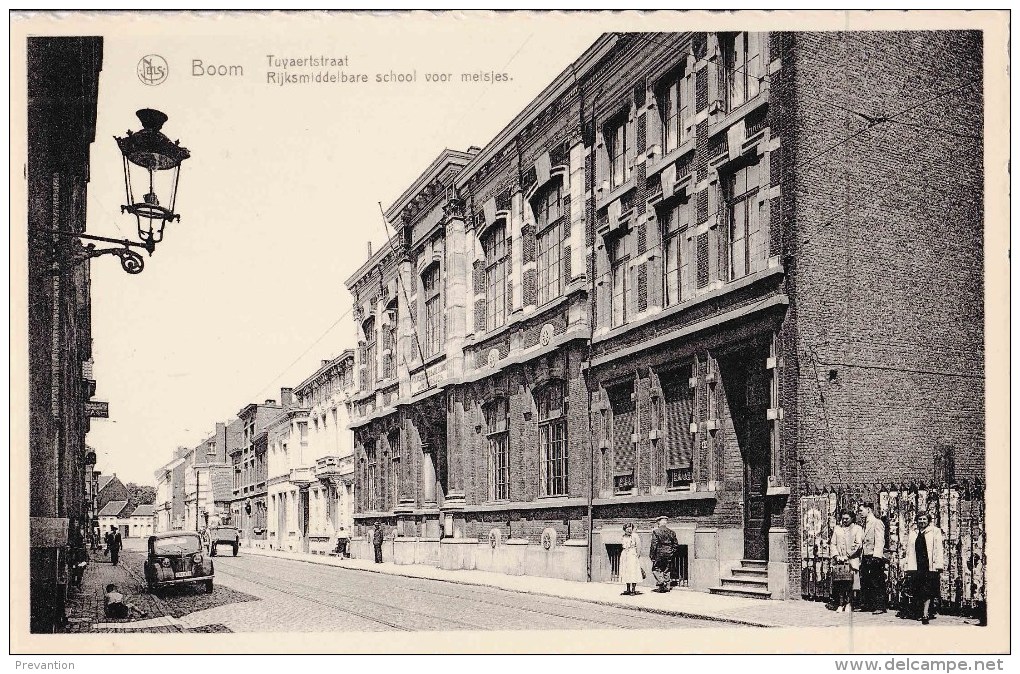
264,594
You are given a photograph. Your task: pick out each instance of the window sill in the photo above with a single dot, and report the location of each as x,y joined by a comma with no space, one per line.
651,498
520,316
613,194
665,160
745,108
727,288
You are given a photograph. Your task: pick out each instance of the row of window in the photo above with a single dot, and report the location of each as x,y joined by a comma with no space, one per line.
377,494
548,208
552,443
324,392
743,68
250,471
685,256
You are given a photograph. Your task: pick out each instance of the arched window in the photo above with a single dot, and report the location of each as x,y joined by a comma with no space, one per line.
433,310
552,433
548,210
494,245
390,341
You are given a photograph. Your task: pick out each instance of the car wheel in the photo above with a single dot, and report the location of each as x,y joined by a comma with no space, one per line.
208,587
235,549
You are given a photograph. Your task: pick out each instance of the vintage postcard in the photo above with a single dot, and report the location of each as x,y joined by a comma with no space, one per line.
584,332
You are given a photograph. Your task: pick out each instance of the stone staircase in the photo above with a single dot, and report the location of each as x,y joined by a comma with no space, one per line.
749,580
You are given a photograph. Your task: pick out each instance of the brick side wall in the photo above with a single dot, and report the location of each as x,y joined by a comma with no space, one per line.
888,251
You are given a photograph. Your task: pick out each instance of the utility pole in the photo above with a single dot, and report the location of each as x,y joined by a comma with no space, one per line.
198,487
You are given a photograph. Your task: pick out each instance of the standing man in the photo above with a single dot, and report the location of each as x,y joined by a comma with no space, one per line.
664,546
116,543
377,541
873,560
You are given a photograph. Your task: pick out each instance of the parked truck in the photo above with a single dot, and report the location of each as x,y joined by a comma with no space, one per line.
218,534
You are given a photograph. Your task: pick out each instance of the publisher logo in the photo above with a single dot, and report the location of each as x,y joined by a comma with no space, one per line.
152,69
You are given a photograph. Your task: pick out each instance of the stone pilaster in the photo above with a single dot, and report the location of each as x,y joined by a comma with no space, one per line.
577,210
407,348
457,274
516,252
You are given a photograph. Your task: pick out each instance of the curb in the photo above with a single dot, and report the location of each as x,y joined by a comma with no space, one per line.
599,602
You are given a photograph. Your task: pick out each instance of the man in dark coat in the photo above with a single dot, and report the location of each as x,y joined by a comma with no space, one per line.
377,541
664,546
115,544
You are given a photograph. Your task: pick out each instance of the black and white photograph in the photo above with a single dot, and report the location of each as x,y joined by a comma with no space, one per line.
506,332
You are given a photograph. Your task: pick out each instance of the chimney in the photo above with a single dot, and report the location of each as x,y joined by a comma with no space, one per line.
325,362
369,249
270,401
286,397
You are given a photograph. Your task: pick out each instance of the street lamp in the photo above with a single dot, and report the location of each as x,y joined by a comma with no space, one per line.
153,162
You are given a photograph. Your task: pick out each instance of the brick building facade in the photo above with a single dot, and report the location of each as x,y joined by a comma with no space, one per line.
248,448
697,275
63,81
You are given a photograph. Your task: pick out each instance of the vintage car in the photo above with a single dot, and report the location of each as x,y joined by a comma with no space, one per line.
222,535
175,558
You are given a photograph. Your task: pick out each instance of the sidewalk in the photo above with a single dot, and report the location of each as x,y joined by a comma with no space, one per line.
680,602
85,607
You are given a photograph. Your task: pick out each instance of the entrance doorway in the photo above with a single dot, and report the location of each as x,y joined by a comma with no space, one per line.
746,385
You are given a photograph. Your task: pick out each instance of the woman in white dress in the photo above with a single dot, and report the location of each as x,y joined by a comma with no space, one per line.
630,561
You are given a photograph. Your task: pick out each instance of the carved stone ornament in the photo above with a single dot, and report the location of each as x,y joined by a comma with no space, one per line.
546,334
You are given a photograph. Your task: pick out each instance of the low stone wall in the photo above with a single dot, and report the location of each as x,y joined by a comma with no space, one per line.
712,554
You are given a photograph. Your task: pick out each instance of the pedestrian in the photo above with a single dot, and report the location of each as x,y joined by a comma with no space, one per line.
631,572
378,536
925,561
664,546
342,541
873,592
115,606
78,560
845,551
115,544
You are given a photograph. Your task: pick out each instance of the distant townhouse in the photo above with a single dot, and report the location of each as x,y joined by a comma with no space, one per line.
208,481
163,508
249,461
311,463
112,515
110,488
141,522
680,282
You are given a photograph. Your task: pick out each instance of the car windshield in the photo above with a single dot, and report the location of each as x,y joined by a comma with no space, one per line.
176,545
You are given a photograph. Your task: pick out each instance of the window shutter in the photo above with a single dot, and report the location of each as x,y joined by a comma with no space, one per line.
702,260
624,412
703,213
478,277
701,89
775,227
642,287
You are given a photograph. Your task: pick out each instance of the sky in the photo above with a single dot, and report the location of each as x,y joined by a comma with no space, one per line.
278,201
